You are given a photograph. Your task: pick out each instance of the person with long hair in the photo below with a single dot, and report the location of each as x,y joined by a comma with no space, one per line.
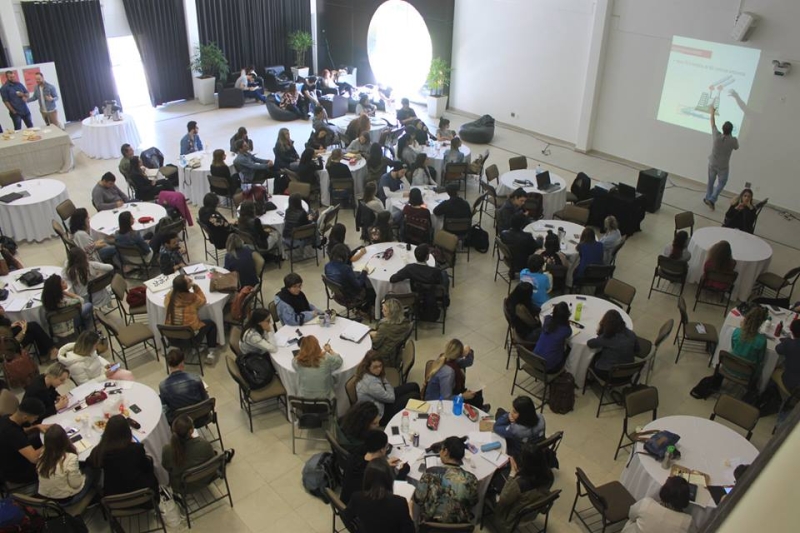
454,153
522,424
407,146
416,226
295,217
382,231
420,173
390,332
146,190
365,106
611,238
531,481
286,155
377,163
667,515
741,214
310,162
80,271
239,258
357,126
265,237
375,507
361,145
747,341
590,251
183,302
719,259
443,132
446,377
552,250
371,386
27,333
294,309
290,101
337,170
616,343
214,222
96,249
258,335
184,451
352,428
375,447
314,366
60,475
124,463
127,236
678,249
524,314
55,296
85,364
448,493
555,333
337,235
219,167
355,285
240,135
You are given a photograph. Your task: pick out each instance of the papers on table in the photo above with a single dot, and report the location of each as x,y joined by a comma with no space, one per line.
480,437
82,445
194,269
282,339
355,332
15,305
404,489
418,406
397,440
692,476
408,454
496,457
160,283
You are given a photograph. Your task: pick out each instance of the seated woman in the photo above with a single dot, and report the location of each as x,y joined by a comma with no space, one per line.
186,449
85,364
358,126
55,296
27,333
296,216
741,214
420,173
340,271
374,507
338,235
678,250
80,271
325,133
337,170
551,252
239,258
377,163
98,250
443,132
371,200
407,146
361,145
215,224
265,237
523,313
314,366
747,341
541,281
240,135
220,169
454,153
352,428
590,252
617,344
417,227
182,304
364,106
124,463
60,475
720,259
610,239
290,101
520,426
294,308
446,378
127,236
146,190
371,386
788,377
382,230
308,166
555,332
530,481
286,155
666,516
258,335
390,332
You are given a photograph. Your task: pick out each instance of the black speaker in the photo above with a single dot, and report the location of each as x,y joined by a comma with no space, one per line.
651,184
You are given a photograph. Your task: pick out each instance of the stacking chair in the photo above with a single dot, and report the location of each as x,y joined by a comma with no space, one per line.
505,256
131,256
595,276
8,402
580,189
250,398
208,473
10,177
51,511
526,514
737,412
646,346
455,172
65,210
342,190
62,315
183,337
100,283
573,213
610,501
120,290
211,250
620,293
737,370
775,283
350,389
688,332
431,294
121,508
408,358
491,197
203,414
448,243
340,455
177,226
519,162
535,367
338,507
636,402
66,240
272,307
306,235
307,414
719,283
394,375
759,207
335,292
304,189
329,219
617,248
684,220
672,270
127,337
437,527
618,376
222,187
460,228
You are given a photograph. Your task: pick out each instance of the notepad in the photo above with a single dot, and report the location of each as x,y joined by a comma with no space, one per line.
418,406
404,489
496,457
160,283
194,269
15,305
355,332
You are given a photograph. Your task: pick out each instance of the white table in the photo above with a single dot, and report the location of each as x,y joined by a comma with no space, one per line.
213,308
275,217
22,293
358,170
193,182
352,354
705,446
48,155
752,255
449,426
771,357
553,200
569,244
106,223
580,356
435,154
431,199
29,218
102,139
383,269
153,434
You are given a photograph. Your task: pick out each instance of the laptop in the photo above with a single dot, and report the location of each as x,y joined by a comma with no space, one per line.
626,191
543,182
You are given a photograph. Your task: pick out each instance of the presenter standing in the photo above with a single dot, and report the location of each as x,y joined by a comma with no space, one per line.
46,94
15,97
723,144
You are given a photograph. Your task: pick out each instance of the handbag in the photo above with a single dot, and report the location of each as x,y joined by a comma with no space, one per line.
228,283
95,397
658,443
137,296
31,278
169,510
102,344
144,220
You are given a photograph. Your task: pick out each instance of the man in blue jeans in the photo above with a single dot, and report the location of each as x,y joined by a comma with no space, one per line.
15,96
723,144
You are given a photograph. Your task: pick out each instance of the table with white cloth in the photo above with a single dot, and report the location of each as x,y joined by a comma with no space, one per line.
580,355
48,155
30,218
358,170
106,223
377,125
102,137
193,182
352,354
383,269
213,309
154,432
435,153
552,201
23,302
431,199
449,426
706,446
275,217
771,357
569,243
752,255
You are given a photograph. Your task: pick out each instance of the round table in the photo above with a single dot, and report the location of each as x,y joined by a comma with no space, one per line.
106,223
19,295
435,153
382,269
213,309
352,354
431,199
29,218
553,200
752,255
706,446
153,434
449,426
274,218
102,139
580,356
358,171
569,244
377,125
193,182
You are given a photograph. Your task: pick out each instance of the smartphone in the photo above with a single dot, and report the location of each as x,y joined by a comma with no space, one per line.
134,424
135,408
75,438
395,430
71,431
115,391
109,384
423,416
580,298
114,367
292,341
78,407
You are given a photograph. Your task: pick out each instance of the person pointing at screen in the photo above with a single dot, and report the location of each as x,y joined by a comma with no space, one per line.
723,144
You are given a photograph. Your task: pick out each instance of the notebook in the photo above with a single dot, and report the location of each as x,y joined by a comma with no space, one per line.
418,406
355,332
8,198
194,269
160,283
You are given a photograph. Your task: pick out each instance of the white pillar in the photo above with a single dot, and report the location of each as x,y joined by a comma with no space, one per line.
594,72
192,32
12,38
315,34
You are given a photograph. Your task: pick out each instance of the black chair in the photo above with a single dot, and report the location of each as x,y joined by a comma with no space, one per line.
121,508
719,283
340,455
203,414
526,514
428,295
505,256
365,219
626,374
307,414
672,270
207,474
689,332
336,292
580,189
775,283
338,507
737,370
636,402
301,238
210,249
536,368
250,398
595,276
222,187
610,501
455,172
759,207
185,338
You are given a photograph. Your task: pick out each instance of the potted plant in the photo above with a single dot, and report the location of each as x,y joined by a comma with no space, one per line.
438,80
209,62
301,42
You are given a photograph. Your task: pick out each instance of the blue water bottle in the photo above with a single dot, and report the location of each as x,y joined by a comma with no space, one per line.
458,405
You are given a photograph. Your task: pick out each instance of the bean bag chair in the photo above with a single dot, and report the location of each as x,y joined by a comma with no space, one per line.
276,113
480,131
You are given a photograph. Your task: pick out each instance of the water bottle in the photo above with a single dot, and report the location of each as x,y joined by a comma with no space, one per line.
578,310
539,169
183,160
458,405
405,422
666,461
440,407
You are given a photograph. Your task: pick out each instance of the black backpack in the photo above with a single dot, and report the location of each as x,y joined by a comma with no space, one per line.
706,387
562,394
319,473
478,239
256,369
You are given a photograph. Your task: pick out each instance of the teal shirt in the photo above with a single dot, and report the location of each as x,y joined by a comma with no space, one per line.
752,350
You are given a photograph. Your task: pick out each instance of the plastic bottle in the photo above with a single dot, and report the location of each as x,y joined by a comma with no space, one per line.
183,160
666,461
405,422
440,407
458,405
578,310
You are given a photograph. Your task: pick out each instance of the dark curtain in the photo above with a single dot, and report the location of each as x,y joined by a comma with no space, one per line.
159,29
70,33
253,32
3,59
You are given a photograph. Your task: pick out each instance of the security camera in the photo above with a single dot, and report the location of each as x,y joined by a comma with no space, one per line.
781,68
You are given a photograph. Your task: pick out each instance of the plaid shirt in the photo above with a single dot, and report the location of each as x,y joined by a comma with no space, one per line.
181,389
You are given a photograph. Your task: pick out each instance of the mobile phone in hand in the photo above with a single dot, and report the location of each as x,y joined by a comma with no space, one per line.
114,367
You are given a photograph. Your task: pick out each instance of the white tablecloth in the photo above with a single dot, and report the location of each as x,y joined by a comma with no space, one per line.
48,155
706,446
193,182
431,199
106,223
384,269
358,170
752,255
352,354
436,152
580,357
213,309
569,244
20,292
102,140
449,426
771,357
153,434
553,200
30,218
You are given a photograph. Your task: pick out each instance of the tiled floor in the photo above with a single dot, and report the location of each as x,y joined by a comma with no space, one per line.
265,476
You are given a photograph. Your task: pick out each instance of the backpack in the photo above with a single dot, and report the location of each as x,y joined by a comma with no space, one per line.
15,518
256,369
319,473
18,366
562,394
706,387
260,198
9,244
237,305
478,238
137,296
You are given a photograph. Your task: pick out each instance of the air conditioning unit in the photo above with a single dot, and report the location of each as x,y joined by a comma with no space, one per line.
743,26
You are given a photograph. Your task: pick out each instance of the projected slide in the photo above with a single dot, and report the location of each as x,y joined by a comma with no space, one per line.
701,74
